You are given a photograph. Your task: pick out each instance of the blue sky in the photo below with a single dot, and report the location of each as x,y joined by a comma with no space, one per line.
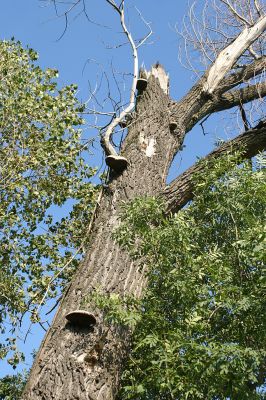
86,49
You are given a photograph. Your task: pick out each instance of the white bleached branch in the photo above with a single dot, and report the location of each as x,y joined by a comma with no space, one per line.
106,138
228,57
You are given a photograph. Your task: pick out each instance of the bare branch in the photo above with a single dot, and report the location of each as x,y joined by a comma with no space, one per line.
236,97
113,4
234,12
211,26
243,75
258,8
148,25
228,57
244,118
180,192
106,138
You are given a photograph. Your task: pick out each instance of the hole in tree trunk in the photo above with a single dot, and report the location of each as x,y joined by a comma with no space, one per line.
172,125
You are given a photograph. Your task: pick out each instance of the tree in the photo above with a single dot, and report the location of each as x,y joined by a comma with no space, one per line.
12,386
82,356
41,166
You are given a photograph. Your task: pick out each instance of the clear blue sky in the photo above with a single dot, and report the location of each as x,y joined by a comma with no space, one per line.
34,23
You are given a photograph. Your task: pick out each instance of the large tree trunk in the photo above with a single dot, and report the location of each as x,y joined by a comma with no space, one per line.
70,363
83,363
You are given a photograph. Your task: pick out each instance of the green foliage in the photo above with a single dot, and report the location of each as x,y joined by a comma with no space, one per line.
201,329
124,312
12,386
41,166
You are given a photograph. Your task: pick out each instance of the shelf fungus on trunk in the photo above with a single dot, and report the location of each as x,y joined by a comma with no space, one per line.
81,318
173,125
123,124
117,163
92,358
141,84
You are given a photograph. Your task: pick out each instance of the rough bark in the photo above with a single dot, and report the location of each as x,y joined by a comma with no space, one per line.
65,367
243,75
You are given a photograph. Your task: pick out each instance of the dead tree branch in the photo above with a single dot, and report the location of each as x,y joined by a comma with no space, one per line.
228,57
237,97
106,138
246,73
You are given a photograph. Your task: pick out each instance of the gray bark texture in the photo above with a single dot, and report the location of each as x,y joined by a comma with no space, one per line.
85,363
60,371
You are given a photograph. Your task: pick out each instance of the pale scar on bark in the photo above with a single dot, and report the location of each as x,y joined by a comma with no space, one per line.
147,145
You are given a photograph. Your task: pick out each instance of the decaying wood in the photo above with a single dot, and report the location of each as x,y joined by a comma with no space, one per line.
106,137
62,369
228,57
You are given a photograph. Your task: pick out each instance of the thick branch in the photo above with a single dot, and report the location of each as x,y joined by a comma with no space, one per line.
205,94
180,192
191,112
237,97
228,57
243,75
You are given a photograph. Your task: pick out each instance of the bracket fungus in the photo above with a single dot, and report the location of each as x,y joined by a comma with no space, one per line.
91,358
123,123
172,125
142,84
81,318
117,163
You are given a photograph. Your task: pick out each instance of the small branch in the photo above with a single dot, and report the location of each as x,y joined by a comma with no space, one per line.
148,25
201,124
258,9
253,53
180,191
235,13
54,306
244,117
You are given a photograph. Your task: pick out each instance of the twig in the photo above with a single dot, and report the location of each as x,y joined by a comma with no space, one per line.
201,124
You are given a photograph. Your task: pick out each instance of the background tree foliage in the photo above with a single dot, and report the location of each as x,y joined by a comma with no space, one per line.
41,165
200,328
11,386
